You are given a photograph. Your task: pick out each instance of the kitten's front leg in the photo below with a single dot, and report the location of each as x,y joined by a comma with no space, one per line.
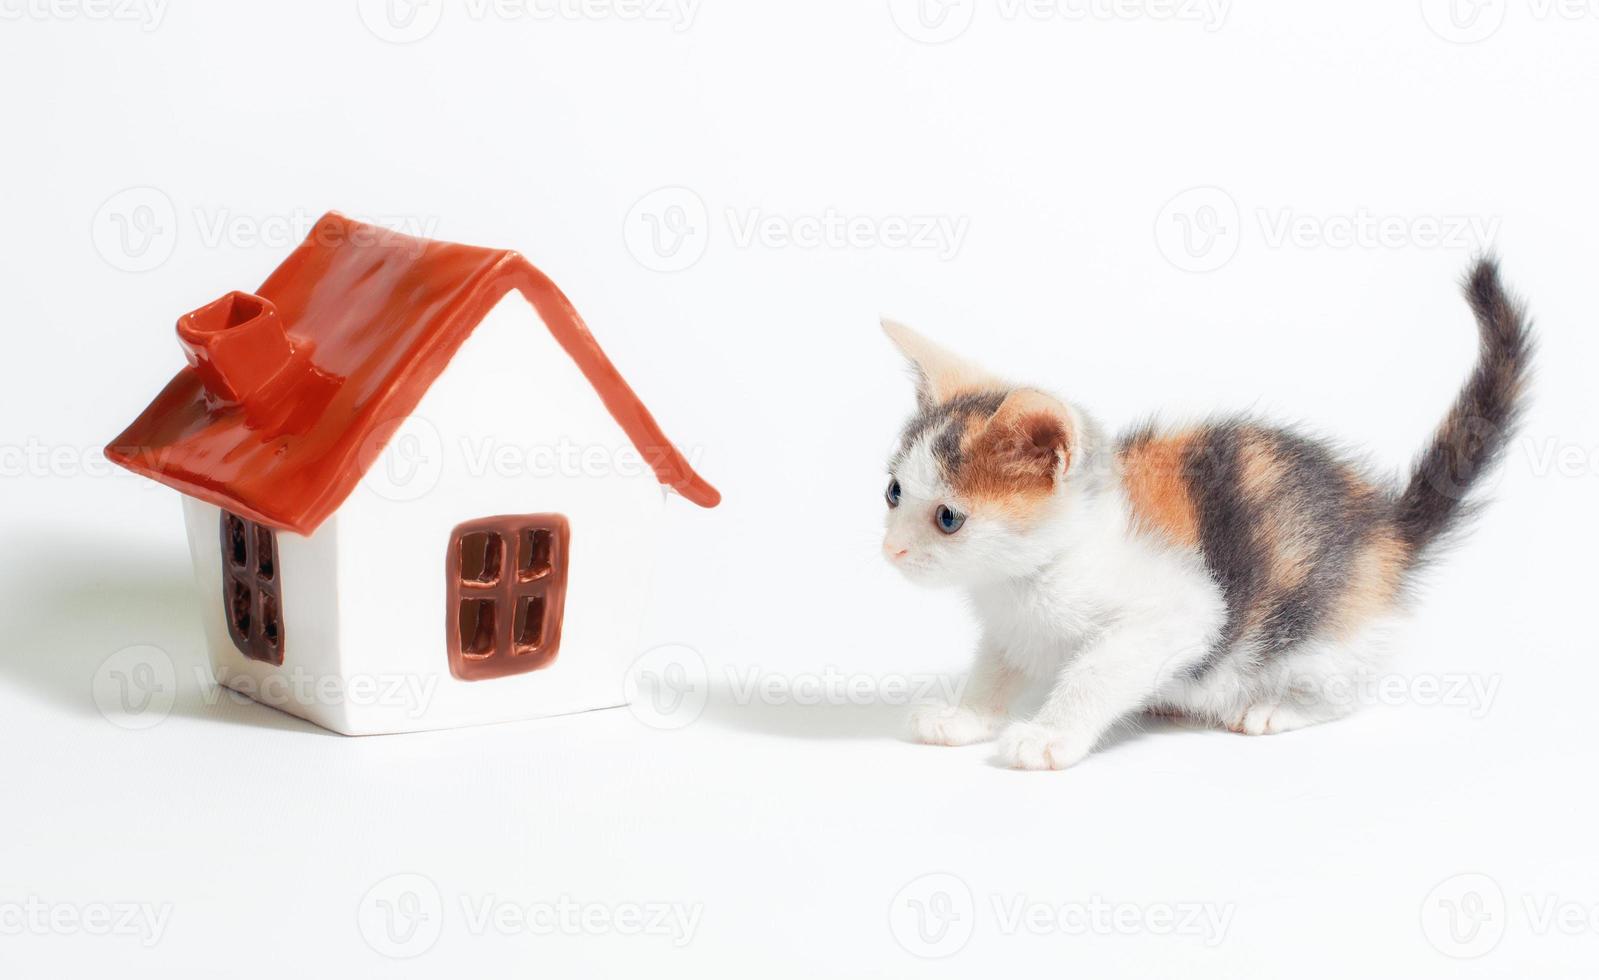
981,709
1106,681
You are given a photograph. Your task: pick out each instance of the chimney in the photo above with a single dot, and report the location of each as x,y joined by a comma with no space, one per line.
238,347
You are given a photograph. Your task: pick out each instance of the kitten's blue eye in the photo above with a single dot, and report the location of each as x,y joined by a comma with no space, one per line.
948,521
892,493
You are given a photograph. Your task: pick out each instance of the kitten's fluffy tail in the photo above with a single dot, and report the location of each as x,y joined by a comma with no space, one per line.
1478,427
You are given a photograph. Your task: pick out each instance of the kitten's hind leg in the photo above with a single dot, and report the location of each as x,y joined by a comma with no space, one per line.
1276,717
1318,681
979,711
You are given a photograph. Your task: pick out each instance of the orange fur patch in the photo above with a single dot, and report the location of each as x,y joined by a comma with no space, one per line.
1278,529
1375,577
1260,468
1009,462
1152,472
1290,558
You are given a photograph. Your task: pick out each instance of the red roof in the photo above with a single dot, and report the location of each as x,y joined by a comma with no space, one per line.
292,392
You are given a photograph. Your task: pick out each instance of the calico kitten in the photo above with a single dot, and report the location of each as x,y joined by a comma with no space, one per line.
1228,571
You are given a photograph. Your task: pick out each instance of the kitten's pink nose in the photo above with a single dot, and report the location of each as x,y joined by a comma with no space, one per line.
894,551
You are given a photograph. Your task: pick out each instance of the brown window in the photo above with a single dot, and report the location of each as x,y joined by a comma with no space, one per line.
252,588
506,587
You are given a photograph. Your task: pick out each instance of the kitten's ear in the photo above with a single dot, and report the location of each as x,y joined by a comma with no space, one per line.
940,374
1033,432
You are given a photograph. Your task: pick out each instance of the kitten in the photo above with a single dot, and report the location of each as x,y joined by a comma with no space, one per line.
1228,571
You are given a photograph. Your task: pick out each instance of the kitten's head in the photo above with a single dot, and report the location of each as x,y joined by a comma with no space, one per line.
980,473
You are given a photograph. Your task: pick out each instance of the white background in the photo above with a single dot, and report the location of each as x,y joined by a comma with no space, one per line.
156,156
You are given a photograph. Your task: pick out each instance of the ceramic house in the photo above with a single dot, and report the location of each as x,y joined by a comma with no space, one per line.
418,495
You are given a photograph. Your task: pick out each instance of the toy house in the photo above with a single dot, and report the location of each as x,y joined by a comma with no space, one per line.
418,495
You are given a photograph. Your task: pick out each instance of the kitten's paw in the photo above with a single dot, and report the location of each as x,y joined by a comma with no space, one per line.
1029,745
952,724
1269,718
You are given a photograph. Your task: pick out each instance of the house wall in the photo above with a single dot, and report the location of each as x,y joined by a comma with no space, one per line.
309,682
511,427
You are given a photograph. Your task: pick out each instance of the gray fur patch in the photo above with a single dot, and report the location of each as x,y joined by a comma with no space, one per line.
948,420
